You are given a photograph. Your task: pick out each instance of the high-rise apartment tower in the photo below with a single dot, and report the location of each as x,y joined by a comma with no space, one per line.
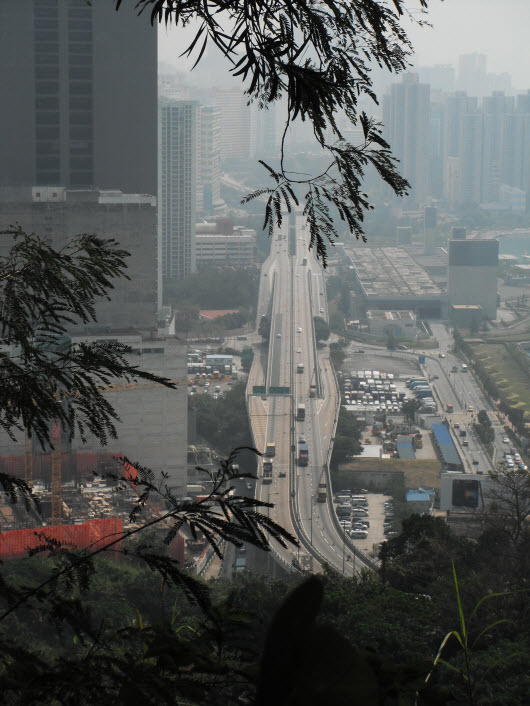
177,188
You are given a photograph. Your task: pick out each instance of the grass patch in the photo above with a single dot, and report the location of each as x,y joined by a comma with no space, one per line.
417,472
513,381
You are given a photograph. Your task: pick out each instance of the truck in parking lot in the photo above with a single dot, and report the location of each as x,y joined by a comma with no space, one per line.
413,381
423,392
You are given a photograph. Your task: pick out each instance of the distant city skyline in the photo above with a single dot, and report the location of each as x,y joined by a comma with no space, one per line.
459,27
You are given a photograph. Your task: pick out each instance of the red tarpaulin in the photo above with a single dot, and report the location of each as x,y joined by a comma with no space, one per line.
93,534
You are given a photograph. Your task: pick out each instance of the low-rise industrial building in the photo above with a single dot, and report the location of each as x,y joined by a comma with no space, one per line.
222,243
401,324
388,278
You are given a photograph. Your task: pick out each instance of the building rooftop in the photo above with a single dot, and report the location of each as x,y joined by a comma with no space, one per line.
466,307
391,272
216,313
417,496
391,315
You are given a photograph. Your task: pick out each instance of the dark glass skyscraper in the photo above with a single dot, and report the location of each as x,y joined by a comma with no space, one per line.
78,92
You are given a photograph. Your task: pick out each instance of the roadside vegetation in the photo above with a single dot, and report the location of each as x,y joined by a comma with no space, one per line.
223,423
504,373
214,288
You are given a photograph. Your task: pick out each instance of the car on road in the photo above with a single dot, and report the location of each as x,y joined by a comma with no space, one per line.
506,440
278,335
475,462
436,377
321,310
298,350
301,439
282,474
299,329
456,425
441,355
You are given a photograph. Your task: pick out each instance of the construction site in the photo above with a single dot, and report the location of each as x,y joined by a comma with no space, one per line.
73,480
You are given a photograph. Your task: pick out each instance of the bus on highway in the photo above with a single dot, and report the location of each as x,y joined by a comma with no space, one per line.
270,449
300,412
303,457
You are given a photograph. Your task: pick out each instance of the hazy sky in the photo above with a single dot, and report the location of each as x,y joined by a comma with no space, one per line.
498,28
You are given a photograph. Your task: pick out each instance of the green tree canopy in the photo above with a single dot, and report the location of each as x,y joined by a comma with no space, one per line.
321,329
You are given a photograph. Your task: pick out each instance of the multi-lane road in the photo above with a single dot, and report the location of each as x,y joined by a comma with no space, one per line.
292,293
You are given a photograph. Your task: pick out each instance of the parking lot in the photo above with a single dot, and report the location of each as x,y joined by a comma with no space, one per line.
365,517
372,391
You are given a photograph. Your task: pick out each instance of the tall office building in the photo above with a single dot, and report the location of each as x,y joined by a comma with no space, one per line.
494,109
470,160
177,189
436,148
263,131
472,274
406,116
472,73
429,224
209,200
440,77
78,95
235,122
